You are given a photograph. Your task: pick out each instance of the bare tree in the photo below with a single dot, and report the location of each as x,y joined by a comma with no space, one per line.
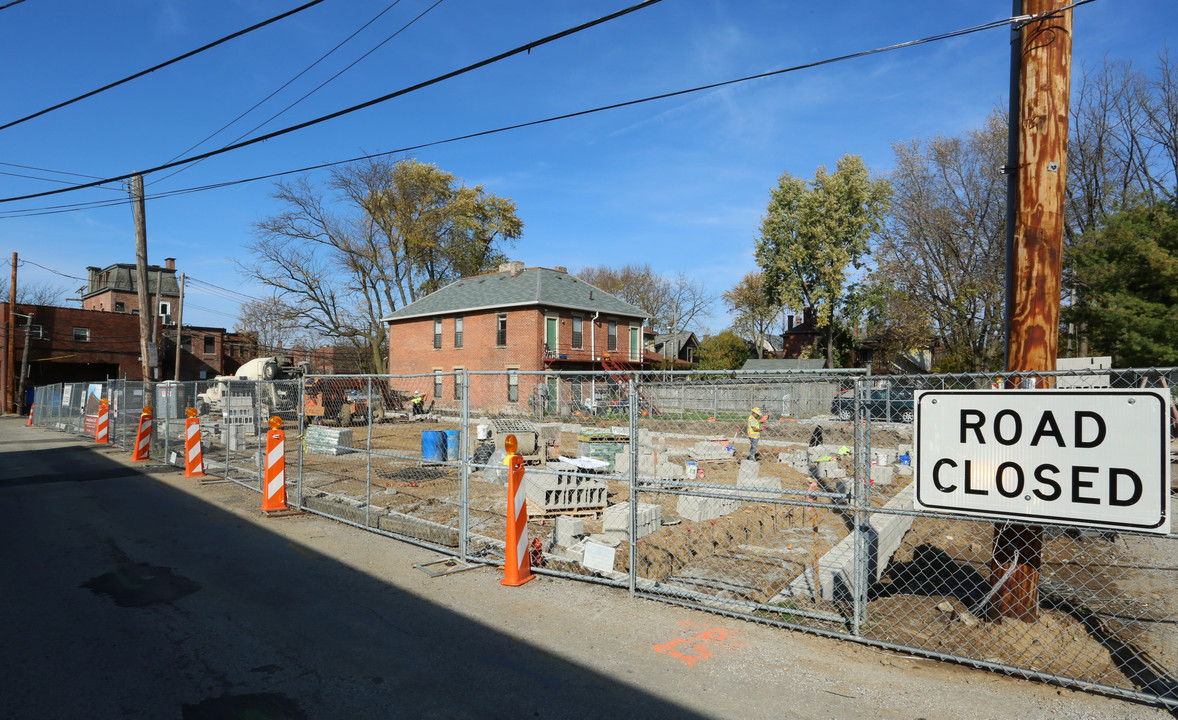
941,258
754,314
672,303
398,231
35,293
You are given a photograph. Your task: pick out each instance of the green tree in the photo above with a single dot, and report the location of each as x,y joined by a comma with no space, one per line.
814,231
725,351
1127,270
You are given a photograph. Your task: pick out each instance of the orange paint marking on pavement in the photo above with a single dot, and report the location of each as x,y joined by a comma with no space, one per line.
700,646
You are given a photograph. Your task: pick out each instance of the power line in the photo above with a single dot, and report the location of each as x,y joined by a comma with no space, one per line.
152,69
225,290
526,48
286,84
601,108
9,4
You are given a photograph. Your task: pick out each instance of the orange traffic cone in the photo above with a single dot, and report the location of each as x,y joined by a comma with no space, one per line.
517,566
274,486
101,430
194,464
31,413
142,449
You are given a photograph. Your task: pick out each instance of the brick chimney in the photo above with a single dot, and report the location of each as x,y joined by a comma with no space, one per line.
515,267
170,263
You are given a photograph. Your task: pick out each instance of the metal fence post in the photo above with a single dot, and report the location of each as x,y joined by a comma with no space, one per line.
302,421
633,574
465,460
368,462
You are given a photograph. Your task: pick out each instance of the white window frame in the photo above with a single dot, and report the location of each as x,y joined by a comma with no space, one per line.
81,334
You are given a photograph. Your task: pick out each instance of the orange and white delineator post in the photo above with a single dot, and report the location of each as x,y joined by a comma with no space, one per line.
31,406
142,449
274,480
517,565
102,427
194,463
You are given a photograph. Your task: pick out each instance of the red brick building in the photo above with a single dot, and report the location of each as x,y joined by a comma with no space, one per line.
115,289
527,320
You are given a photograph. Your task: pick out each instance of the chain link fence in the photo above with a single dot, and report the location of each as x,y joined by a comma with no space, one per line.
800,514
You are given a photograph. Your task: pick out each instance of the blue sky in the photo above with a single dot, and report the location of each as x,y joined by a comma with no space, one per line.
679,183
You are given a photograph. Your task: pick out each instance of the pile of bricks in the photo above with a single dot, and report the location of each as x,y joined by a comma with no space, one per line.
615,522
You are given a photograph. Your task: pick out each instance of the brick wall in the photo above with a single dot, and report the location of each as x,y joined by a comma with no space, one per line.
412,351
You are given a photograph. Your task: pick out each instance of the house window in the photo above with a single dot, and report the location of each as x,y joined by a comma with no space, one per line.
512,386
210,345
577,332
120,306
81,334
165,308
204,374
186,343
611,342
458,332
501,334
457,383
36,333
437,384
437,333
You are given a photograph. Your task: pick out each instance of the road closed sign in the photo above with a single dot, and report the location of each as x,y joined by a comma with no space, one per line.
1095,458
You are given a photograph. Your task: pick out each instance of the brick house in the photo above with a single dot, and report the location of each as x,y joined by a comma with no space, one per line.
681,348
115,288
798,337
528,320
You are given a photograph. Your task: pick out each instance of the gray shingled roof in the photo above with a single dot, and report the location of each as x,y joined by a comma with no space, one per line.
533,286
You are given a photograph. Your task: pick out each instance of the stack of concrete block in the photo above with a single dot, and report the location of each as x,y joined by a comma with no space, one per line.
615,521
830,469
904,471
750,477
702,507
568,530
708,451
324,440
882,474
798,459
563,492
671,471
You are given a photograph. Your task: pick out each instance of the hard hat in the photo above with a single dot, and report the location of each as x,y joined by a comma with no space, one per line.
756,410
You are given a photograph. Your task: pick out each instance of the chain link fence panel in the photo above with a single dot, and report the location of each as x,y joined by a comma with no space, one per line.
784,498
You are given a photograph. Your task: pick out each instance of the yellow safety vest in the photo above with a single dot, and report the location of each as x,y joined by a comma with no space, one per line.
754,429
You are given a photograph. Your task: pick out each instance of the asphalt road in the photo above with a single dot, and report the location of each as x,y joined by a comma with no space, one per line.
130,594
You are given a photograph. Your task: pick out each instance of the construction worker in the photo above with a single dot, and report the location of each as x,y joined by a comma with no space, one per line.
754,431
418,402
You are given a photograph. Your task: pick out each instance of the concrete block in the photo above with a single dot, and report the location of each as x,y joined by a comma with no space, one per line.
615,521
903,470
830,469
749,480
904,449
708,451
671,471
567,530
881,474
749,469
550,494
699,508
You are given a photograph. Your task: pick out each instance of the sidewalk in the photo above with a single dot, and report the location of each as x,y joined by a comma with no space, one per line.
148,595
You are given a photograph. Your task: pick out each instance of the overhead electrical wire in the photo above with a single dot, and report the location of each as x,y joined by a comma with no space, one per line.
162,65
10,3
51,210
286,84
526,48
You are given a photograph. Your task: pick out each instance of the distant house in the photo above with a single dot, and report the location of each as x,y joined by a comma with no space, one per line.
681,347
527,320
769,365
798,337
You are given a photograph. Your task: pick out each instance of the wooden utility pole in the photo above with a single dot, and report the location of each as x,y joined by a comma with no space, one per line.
6,405
179,326
24,363
140,214
1035,265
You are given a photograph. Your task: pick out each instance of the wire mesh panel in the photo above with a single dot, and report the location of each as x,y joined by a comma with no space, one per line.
754,505
376,452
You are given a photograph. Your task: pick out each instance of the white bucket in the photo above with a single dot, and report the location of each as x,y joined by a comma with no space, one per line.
484,432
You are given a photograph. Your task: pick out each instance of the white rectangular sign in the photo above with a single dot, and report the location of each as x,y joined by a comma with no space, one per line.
1096,458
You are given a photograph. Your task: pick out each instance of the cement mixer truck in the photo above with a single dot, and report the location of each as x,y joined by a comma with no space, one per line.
259,379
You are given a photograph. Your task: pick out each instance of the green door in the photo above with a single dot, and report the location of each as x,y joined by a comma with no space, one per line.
635,348
550,334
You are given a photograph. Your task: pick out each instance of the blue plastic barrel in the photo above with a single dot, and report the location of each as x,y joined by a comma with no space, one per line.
433,445
453,452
